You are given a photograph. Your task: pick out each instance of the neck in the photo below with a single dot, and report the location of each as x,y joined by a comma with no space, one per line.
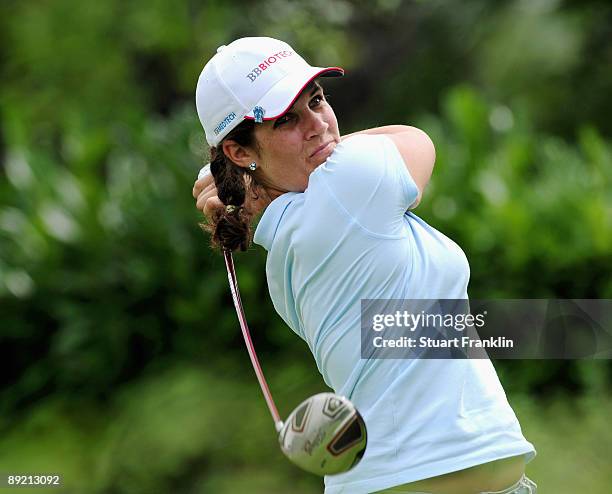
265,195
274,193
271,192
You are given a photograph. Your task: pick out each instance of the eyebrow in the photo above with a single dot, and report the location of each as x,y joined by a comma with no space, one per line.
316,87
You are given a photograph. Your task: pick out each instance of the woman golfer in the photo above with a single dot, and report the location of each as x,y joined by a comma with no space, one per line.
337,230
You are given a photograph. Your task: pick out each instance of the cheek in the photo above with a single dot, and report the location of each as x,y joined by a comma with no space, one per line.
332,121
281,156
282,150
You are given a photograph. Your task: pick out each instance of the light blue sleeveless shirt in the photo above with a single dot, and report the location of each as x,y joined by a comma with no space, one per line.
346,238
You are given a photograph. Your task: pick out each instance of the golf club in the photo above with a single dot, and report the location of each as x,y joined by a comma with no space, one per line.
325,434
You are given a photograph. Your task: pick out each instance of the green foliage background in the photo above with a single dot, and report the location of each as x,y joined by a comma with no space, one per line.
123,367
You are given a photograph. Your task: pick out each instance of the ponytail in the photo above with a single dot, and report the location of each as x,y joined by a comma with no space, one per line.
230,228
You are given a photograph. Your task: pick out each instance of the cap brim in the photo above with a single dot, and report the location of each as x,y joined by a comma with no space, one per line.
283,94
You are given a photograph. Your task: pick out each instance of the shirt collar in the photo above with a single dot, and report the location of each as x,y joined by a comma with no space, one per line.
270,219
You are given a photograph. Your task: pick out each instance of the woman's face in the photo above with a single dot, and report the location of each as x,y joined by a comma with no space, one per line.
293,145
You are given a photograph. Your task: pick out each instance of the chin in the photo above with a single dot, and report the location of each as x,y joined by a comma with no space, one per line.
314,166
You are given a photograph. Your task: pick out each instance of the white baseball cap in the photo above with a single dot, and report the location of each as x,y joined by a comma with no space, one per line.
251,78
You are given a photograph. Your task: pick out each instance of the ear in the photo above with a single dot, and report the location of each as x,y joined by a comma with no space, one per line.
238,154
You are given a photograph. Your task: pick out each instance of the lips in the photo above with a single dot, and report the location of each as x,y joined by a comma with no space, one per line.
321,149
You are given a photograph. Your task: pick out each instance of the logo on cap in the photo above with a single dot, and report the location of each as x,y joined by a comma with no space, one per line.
267,62
224,123
258,112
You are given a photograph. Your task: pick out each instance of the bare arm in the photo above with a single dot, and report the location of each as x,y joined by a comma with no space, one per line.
415,147
386,129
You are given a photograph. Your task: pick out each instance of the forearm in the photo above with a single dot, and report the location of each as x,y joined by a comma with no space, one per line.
386,129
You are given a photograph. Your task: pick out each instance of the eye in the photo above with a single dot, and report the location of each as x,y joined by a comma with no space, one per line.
316,100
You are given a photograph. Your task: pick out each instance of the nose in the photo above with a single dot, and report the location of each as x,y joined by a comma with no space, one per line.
314,124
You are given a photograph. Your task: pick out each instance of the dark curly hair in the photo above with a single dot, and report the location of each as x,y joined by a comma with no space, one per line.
230,228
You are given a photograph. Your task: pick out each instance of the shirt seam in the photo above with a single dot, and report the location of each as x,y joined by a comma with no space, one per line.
355,221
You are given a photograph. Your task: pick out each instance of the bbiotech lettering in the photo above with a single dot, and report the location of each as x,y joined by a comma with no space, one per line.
224,123
257,71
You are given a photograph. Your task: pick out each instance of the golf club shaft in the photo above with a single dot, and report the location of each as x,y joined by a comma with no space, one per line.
233,282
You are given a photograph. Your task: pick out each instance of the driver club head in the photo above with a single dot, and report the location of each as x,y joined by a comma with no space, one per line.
324,435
